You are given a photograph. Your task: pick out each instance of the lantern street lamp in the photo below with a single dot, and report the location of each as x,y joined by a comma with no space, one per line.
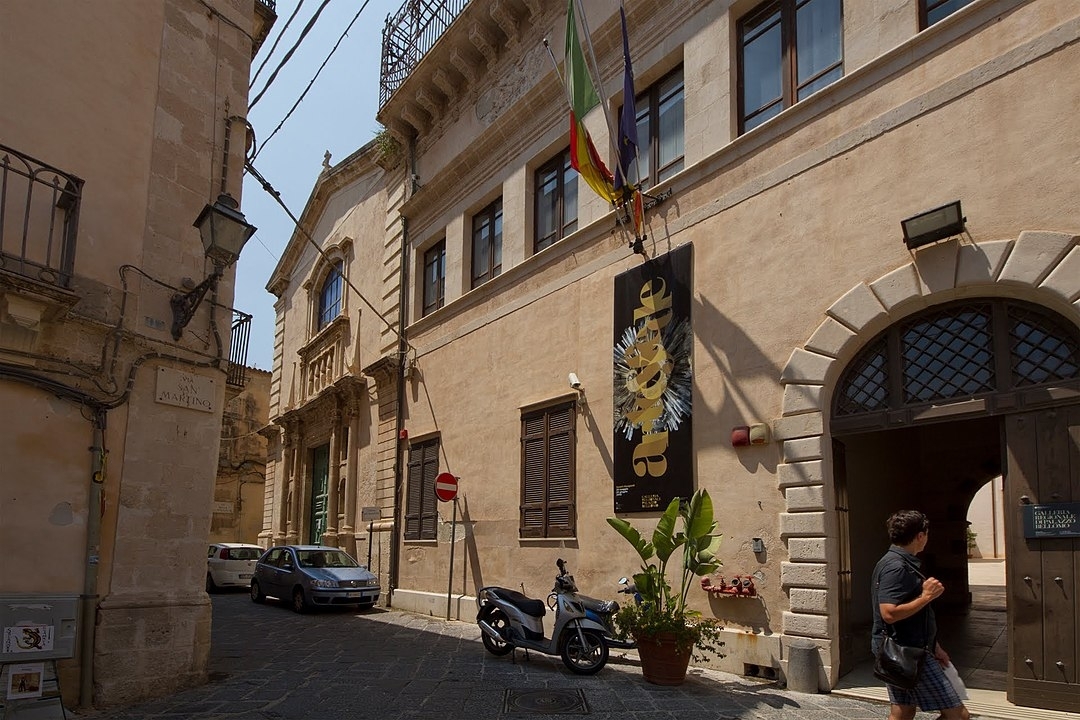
224,230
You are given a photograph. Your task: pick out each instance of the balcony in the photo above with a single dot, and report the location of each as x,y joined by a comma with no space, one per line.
236,377
39,219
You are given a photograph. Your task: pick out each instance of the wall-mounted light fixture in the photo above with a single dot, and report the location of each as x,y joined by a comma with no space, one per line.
933,225
224,230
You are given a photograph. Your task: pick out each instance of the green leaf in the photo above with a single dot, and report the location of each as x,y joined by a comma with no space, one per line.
628,531
664,538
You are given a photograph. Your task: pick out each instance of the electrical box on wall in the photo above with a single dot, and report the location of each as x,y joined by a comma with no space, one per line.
37,627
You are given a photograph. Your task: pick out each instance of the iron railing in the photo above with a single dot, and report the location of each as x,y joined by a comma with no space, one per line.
408,36
39,218
270,5
241,336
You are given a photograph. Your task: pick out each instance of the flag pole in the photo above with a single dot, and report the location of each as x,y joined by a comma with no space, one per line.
566,94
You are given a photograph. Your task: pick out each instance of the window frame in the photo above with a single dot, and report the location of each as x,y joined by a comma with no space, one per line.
333,282
789,56
548,528
421,520
647,105
434,254
491,216
560,166
928,6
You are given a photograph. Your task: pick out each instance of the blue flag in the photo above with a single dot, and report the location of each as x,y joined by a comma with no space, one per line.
628,140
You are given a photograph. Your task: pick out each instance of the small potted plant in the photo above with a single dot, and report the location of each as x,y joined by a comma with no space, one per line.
667,632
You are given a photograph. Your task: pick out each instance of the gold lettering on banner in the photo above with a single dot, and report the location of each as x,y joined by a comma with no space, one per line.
651,365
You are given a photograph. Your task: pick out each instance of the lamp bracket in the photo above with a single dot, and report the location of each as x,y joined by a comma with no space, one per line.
184,305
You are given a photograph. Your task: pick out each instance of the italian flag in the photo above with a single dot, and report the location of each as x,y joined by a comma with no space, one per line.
583,98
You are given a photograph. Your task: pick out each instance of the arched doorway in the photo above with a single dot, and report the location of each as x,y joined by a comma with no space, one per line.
929,411
1037,268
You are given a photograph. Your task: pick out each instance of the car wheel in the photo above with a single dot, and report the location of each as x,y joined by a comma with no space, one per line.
257,593
299,602
210,585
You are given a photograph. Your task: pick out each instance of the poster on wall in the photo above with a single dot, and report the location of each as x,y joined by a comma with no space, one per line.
25,681
653,383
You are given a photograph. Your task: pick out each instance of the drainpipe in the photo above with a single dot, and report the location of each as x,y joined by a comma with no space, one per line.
399,421
90,577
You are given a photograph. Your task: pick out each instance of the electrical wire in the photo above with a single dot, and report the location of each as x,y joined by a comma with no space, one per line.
288,55
273,47
312,82
266,186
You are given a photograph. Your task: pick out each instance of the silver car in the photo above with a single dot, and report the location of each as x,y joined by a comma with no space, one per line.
313,576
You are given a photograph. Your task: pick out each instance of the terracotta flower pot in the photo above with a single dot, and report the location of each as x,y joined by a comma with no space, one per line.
661,661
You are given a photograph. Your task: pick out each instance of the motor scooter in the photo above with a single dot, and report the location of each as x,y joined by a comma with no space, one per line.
508,619
602,611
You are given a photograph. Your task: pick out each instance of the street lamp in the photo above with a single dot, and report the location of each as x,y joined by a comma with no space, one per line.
224,230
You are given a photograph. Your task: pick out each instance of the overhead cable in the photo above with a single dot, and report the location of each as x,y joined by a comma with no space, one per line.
289,54
312,82
273,47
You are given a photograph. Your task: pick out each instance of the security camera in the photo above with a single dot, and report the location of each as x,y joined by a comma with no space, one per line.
575,382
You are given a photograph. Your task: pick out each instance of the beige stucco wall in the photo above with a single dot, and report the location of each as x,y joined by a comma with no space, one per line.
132,99
798,261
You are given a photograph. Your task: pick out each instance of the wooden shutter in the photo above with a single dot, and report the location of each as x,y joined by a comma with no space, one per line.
547,473
421,513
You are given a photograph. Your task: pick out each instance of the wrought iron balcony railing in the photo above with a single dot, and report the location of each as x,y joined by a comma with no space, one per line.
39,218
408,35
238,349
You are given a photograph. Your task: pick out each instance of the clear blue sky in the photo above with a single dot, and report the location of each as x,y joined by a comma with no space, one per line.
337,114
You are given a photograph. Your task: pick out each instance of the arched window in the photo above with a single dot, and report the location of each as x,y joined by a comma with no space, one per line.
330,296
959,351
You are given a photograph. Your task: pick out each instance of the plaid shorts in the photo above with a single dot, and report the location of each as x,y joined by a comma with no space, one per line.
934,691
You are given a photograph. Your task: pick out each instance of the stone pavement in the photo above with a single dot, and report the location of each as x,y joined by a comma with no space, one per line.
267,663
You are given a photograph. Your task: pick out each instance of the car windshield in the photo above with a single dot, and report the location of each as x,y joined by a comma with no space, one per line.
326,558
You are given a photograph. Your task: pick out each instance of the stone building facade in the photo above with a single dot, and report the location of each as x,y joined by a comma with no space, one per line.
113,124
837,372
239,488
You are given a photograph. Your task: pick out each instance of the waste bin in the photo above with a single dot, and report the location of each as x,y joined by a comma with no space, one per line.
803,665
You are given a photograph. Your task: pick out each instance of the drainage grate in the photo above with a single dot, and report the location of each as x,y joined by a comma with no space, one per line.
546,701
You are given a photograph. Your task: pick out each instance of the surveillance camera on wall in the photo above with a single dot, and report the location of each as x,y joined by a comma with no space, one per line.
575,382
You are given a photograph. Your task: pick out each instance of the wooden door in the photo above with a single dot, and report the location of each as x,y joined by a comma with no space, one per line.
848,653
1042,469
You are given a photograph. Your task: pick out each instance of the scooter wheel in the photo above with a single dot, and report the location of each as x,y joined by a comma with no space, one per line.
498,620
585,653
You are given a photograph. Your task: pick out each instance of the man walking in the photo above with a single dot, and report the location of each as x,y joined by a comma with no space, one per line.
901,599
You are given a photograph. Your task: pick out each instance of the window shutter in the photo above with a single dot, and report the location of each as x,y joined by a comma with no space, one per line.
412,493
547,473
429,513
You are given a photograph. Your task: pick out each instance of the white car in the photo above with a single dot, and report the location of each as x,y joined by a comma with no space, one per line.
230,565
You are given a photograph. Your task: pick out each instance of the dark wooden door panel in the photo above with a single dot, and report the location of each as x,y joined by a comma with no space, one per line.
1042,467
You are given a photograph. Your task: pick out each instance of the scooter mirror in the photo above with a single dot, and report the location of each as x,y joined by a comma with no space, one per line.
623,581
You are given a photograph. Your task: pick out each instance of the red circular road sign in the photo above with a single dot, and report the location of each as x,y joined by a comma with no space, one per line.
445,487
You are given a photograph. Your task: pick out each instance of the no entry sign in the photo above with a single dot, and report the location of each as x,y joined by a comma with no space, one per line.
445,487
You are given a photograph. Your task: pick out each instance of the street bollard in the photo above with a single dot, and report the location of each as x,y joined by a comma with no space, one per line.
802,667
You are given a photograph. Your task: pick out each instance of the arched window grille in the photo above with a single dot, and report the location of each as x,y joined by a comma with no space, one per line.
330,296
962,350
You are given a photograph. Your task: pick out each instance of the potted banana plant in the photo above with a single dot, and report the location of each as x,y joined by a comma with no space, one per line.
667,632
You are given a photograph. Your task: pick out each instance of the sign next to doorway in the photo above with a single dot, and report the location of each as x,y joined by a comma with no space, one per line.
1058,520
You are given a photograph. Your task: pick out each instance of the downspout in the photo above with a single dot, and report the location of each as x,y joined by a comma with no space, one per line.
90,577
399,421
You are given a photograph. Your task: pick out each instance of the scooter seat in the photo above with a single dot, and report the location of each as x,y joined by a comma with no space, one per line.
532,608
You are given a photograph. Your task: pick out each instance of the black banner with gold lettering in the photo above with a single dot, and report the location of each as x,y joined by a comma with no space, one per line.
653,383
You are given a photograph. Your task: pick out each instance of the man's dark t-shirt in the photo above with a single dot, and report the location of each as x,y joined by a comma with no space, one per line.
896,580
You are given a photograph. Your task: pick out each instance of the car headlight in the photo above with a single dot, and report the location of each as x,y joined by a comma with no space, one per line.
324,583
373,582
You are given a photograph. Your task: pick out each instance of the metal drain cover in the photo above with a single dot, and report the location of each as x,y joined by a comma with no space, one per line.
546,701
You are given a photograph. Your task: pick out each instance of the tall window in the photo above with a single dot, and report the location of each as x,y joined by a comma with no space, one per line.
660,131
434,277
547,473
788,49
420,501
556,201
487,243
330,295
931,11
